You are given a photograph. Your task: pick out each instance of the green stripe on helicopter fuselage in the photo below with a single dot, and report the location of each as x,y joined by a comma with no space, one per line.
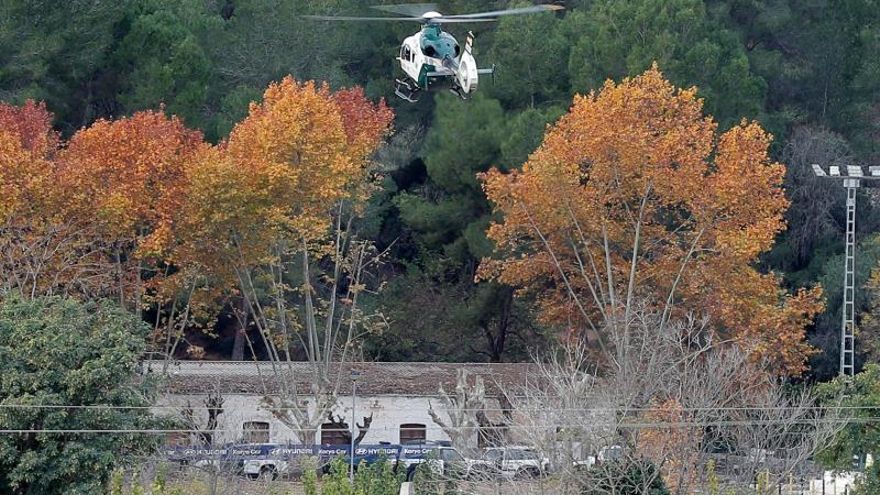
423,75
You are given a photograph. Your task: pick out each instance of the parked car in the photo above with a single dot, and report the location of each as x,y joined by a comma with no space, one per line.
260,460
587,463
439,458
514,462
272,460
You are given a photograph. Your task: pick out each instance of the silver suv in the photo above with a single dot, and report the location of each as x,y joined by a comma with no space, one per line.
438,458
516,462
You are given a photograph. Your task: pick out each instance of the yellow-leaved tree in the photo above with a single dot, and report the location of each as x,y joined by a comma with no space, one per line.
124,181
269,215
635,200
42,250
141,209
26,145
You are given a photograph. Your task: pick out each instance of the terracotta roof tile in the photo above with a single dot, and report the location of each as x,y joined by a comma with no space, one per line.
411,379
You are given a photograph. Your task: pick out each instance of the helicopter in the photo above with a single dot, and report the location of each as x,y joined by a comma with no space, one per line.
432,59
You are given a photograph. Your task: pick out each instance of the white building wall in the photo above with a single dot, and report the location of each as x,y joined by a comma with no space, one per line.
389,412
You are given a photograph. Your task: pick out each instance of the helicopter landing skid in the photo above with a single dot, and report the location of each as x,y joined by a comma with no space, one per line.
406,91
457,91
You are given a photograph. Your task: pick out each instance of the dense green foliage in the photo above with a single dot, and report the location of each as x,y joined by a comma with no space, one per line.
62,352
870,483
858,398
807,70
633,477
377,478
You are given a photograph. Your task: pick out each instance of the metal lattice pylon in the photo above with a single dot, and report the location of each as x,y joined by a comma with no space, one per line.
852,177
848,323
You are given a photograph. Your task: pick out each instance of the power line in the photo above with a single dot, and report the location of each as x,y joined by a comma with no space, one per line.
621,409
622,425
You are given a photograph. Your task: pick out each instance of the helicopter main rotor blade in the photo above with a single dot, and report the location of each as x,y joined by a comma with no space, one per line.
408,9
353,18
519,11
448,20
431,20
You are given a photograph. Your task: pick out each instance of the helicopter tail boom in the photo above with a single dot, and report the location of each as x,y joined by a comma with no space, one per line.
468,44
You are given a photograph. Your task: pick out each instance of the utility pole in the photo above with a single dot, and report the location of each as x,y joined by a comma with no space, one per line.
851,178
354,377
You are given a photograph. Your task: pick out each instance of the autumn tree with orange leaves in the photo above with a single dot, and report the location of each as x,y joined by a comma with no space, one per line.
635,196
91,218
27,144
41,252
270,212
141,209
126,180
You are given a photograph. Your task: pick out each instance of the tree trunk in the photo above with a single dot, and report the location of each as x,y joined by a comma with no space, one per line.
238,343
496,341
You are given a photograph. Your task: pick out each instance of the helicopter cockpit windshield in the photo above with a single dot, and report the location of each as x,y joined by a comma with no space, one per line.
436,43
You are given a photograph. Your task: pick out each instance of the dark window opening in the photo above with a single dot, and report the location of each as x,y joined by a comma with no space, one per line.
413,433
335,434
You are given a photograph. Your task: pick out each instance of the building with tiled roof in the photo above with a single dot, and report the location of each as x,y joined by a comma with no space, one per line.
396,395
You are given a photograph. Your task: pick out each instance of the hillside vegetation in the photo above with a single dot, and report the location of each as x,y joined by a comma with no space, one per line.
807,72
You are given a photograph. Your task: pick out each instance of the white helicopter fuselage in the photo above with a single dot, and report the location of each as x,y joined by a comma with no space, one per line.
433,59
